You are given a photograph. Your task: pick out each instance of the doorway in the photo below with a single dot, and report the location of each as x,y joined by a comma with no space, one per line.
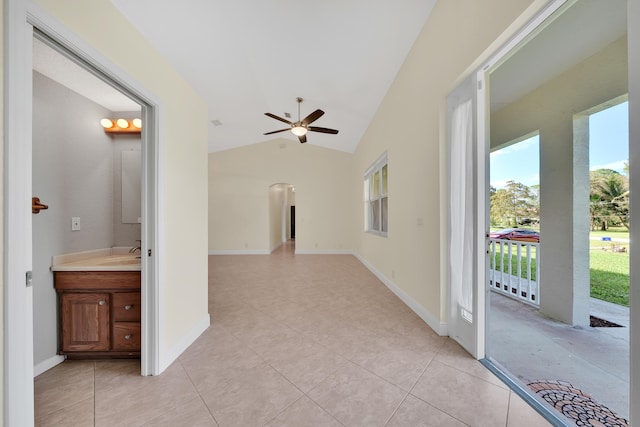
531,91
77,171
281,214
293,222
18,302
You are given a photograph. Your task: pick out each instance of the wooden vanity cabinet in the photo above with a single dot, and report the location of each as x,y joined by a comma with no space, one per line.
85,324
99,313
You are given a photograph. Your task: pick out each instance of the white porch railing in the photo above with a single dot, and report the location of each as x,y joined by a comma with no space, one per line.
514,269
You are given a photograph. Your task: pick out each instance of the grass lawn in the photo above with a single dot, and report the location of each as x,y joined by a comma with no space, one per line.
514,264
610,277
599,244
610,270
616,232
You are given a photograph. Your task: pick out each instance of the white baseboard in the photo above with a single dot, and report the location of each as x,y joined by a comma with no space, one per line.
241,252
268,252
322,252
276,246
439,327
45,365
183,343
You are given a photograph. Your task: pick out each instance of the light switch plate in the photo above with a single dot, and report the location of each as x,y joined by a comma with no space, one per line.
75,223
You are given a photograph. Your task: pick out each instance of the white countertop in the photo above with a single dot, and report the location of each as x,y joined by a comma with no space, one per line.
110,259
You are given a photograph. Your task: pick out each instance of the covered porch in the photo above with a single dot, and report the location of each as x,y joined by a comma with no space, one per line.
582,371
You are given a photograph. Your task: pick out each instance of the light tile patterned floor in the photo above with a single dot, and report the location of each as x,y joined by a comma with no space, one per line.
306,340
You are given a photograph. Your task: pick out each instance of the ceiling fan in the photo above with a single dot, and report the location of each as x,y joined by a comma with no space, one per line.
301,127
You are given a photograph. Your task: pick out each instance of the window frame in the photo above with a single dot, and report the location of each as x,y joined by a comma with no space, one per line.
369,221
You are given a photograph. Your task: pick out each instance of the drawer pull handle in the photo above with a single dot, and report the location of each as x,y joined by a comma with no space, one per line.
128,307
127,337
101,302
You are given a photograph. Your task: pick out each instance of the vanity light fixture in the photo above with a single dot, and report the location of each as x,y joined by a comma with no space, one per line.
123,126
106,123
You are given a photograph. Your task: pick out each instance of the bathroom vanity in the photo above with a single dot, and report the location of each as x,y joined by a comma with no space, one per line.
99,303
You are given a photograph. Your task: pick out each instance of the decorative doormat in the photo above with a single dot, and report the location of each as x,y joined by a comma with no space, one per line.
576,405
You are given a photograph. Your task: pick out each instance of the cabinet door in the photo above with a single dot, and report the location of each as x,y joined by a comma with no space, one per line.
85,322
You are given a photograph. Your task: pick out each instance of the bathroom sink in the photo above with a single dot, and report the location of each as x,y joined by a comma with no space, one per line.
102,263
118,260
98,260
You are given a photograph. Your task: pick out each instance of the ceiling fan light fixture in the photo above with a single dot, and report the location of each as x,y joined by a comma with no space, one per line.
302,126
299,130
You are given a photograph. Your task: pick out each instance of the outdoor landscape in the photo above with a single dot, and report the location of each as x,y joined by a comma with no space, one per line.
517,206
515,198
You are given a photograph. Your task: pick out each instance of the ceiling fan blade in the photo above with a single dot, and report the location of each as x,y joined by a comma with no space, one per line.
276,131
321,130
302,138
312,117
273,116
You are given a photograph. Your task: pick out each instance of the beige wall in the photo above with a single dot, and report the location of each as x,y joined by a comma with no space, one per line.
239,181
409,126
184,166
277,194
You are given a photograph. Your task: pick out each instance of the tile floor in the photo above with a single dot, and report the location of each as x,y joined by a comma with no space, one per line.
306,340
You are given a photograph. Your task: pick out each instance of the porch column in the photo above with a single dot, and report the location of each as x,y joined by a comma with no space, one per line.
564,219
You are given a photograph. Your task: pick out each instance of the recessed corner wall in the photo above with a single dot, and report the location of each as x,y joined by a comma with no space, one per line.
239,182
409,125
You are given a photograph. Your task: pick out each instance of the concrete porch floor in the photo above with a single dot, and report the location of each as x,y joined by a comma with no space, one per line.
535,348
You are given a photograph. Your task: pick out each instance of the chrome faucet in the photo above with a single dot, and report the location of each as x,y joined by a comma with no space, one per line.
136,248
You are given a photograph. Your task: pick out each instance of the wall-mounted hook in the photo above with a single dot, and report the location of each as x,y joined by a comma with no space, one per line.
36,206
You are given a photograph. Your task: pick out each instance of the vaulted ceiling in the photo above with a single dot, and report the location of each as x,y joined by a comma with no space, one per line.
249,57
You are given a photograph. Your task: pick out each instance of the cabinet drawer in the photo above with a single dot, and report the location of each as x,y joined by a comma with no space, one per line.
126,306
126,336
97,280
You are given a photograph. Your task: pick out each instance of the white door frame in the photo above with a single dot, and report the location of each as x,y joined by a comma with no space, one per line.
18,298
633,10
283,216
20,19
482,162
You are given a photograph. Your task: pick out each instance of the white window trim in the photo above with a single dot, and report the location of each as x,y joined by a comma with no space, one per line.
377,166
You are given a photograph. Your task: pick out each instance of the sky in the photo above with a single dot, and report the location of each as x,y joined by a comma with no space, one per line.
608,148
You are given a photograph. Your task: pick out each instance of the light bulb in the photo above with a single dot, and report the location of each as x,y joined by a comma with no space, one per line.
137,123
122,123
106,123
299,130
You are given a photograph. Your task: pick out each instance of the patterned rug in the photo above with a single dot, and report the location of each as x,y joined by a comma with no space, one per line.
576,405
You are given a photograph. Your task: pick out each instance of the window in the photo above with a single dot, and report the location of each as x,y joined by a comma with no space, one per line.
376,197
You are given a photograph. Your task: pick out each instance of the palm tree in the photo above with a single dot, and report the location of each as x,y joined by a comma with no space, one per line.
609,197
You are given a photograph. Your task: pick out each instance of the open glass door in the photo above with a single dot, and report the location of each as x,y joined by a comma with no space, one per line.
465,228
